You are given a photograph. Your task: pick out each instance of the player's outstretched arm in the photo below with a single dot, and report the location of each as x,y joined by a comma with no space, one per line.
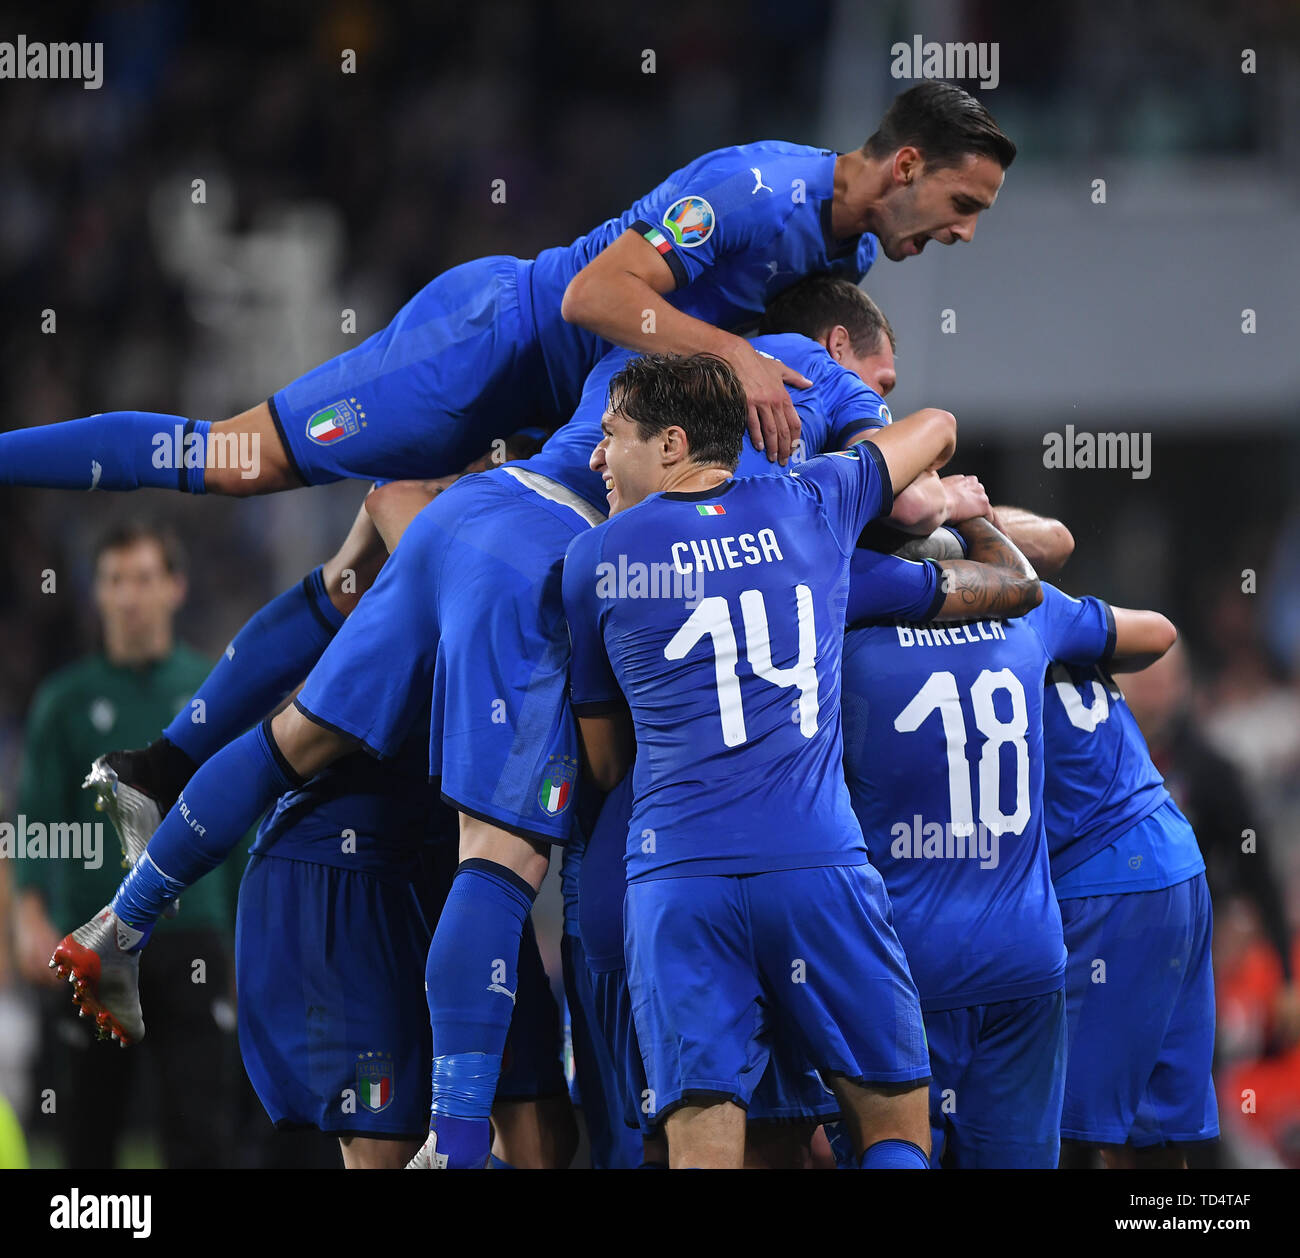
997,580
923,442
1141,638
619,294
1045,542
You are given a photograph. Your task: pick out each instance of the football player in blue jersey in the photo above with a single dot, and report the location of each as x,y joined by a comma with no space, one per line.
852,364
944,756
1130,881
495,337
467,610
742,836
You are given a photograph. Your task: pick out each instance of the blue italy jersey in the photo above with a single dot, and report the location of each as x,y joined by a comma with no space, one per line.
1100,779
566,456
831,413
836,409
719,615
735,226
943,740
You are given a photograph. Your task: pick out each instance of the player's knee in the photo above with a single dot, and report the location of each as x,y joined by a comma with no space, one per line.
307,746
527,858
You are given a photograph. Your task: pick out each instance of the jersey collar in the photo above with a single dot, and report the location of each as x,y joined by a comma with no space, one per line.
698,495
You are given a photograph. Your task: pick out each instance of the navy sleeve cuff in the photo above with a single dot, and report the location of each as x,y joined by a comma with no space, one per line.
886,484
839,439
641,227
939,592
1110,632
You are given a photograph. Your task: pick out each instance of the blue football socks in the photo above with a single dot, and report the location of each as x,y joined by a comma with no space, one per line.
268,657
894,1155
116,450
215,810
471,980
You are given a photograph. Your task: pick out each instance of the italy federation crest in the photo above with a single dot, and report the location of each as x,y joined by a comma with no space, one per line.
557,785
335,422
375,1080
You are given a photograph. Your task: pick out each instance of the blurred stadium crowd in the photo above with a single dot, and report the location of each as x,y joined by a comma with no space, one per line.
327,192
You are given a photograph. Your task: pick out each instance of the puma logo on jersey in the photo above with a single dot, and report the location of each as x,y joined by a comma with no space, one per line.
503,991
758,181
96,471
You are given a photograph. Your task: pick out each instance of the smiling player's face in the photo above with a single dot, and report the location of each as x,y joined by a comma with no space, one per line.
632,468
937,205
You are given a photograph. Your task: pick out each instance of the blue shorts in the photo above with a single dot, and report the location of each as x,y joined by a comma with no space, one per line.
601,1084
719,966
334,1029
1142,1042
790,1090
468,609
333,1025
998,1079
458,366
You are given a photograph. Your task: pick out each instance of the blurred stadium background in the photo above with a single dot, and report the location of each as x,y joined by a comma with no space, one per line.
329,192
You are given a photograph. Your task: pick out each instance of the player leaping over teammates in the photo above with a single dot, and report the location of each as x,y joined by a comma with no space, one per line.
500,340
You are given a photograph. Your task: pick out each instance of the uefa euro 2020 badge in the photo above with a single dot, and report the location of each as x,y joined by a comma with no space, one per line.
557,785
335,422
375,1080
691,220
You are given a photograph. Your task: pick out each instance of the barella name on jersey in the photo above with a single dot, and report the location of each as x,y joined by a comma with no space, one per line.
951,635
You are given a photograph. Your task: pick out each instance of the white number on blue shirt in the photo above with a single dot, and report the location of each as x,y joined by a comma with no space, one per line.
1082,716
712,619
940,693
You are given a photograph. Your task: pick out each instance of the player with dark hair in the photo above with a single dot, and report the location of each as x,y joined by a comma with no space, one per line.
776,918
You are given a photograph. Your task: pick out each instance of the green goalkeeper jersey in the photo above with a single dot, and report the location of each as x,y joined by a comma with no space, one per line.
80,712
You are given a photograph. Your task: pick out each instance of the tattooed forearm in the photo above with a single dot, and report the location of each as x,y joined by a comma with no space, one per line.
997,580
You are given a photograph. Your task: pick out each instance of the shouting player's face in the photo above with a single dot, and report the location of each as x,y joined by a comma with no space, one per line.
631,466
941,205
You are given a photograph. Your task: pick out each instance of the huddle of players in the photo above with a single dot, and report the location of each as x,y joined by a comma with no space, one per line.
465,633
747,954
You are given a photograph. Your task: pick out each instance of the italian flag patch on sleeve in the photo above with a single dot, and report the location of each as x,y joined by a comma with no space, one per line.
658,239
